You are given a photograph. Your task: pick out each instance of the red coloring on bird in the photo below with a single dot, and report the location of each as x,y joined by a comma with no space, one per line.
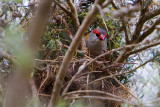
100,37
96,32
105,35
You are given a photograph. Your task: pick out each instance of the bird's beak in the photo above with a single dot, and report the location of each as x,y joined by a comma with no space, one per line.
101,37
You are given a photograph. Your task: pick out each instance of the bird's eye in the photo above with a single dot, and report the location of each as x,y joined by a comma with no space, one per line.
97,35
96,32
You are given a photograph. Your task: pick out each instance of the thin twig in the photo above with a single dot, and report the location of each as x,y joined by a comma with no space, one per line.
144,48
124,87
92,91
148,32
100,98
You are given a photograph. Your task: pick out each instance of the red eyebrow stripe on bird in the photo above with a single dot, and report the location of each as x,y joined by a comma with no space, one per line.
96,32
105,35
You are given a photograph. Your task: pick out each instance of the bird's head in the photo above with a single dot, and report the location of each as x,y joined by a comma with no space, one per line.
101,34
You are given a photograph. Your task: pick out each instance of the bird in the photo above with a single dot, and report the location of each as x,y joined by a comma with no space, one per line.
96,42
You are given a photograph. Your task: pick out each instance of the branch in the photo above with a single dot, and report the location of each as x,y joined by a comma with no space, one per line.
105,4
124,87
141,21
74,14
113,4
123,24
138,29
92,91
143,48
101,98
64,9
148,32
7,56
143,7
68,56
38,24
152,14
96,92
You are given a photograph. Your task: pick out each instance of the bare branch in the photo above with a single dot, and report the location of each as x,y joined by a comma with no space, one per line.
152,14
148,32
143,7
143,48
124,26
106,3
63,8
141,22
74,14
138,29
92,91
113,4
101,98
38,25
68,56
7,56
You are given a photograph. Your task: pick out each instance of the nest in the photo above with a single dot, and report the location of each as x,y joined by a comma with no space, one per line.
91,78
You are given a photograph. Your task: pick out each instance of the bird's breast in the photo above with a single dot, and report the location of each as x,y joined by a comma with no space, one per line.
96,47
